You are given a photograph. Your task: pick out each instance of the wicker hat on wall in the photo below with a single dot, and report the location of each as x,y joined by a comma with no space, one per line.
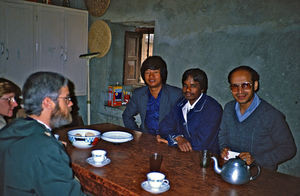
99,38
97,7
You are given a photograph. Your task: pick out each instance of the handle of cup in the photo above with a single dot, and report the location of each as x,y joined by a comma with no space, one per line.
165,182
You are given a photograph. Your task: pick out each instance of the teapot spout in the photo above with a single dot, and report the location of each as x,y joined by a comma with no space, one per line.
216,166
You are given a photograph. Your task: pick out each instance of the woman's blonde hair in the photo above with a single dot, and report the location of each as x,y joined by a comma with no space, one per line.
7,86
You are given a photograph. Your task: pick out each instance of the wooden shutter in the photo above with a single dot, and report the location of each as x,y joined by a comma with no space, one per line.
132,58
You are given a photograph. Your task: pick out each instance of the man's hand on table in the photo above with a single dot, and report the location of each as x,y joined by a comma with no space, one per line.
183,144
159,139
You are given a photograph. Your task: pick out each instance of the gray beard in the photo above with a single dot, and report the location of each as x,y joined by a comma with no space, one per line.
58,119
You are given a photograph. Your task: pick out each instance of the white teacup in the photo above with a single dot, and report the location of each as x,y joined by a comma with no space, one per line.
99,155
156,179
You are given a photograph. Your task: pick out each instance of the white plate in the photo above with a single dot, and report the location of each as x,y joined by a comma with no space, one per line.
164,187
91,161
117,136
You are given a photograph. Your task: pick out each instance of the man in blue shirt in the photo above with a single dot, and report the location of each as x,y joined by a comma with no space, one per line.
151,102
251,126
193,123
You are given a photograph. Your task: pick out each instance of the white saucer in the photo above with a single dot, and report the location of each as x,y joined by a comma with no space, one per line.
91,161
164,187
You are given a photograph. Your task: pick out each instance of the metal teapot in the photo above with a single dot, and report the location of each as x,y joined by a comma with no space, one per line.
235,171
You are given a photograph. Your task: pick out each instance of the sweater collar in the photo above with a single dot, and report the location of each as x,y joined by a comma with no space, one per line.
255,103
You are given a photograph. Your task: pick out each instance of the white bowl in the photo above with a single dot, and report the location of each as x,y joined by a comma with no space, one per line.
80,137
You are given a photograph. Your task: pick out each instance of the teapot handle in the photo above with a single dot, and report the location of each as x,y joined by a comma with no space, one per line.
258,171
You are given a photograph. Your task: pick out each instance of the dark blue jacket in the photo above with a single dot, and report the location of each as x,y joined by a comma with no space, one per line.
202,127
138,105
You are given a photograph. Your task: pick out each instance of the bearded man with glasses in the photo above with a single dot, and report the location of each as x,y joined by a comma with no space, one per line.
33,161
252,127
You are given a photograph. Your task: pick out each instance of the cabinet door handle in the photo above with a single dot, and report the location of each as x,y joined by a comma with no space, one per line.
36,47
2,48
62,51
65,56
7,52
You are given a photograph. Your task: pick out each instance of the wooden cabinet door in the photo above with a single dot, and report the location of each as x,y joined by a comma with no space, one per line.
2,38
50,36
76,35
37,37
62,35
18,45
132,58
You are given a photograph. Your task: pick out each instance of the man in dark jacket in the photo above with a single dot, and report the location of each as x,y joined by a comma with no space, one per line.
193,123
151,102
32,161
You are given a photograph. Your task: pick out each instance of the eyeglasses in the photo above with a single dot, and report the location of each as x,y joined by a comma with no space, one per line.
244,86
9,99
67,99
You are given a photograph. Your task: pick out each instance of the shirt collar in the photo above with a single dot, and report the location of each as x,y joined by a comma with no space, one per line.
44,124
189,106
256,101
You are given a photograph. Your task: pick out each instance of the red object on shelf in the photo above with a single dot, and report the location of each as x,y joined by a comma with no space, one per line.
114,96
126,98
110,96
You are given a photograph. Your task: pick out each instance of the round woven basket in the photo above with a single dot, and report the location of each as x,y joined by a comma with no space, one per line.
97,7
99,38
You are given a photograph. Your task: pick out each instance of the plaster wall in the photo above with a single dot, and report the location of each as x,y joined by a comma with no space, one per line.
215,36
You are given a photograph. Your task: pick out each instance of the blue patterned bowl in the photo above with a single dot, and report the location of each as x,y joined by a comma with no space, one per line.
84,138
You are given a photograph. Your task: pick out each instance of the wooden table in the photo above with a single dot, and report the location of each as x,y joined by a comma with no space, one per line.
130,164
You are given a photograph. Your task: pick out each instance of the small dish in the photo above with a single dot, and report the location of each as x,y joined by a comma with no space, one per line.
117,136
164,187
91,161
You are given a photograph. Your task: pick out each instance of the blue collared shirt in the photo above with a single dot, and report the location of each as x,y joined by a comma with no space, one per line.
152,114
255,103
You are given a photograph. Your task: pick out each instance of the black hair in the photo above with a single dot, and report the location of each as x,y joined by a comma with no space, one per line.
198,75
155,63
